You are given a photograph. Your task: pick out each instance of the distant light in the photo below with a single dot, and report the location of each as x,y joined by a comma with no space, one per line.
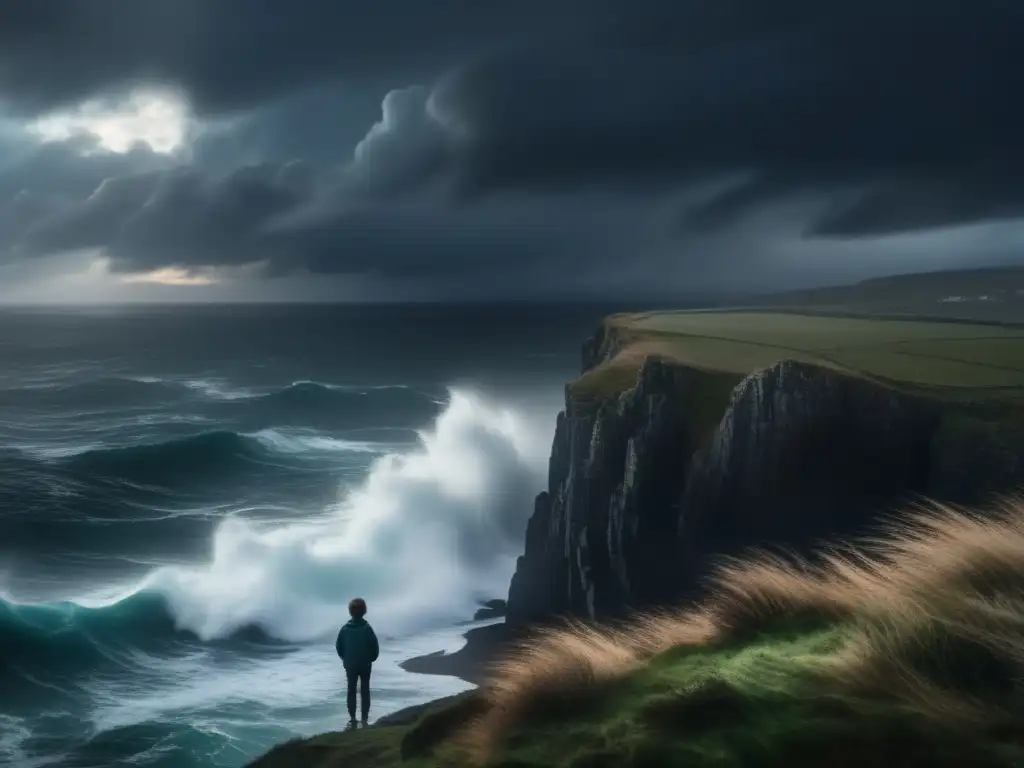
157,118
169,276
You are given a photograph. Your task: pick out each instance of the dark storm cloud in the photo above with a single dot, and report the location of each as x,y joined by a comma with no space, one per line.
38,181
70,169
887,115
230,56
403,149
319,124
923,203
292,220
179,217
340,219
806,94
408,240
360,218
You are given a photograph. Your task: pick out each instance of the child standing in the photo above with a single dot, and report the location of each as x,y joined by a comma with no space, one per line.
357,648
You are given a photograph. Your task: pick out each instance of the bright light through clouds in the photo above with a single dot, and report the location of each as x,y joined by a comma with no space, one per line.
169,276
159,118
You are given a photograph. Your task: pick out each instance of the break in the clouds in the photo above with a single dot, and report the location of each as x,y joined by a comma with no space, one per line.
474,149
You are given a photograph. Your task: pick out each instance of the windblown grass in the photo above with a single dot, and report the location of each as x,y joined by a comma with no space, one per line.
915,638
906,650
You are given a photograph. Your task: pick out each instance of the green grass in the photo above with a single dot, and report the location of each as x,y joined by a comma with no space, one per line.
940,359
757,704
694,706
687,706
915,644
908,653
409,744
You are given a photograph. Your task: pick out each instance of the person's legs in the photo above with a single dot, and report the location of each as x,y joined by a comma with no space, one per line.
351,675
364,693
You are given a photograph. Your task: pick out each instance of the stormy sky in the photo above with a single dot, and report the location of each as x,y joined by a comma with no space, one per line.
476,149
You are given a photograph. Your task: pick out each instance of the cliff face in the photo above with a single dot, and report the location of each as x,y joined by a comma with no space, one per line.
604,530
804,453
646,491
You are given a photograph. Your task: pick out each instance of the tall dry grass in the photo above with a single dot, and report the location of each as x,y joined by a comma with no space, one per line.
934,607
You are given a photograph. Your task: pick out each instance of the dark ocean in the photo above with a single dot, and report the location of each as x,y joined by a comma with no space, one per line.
189,496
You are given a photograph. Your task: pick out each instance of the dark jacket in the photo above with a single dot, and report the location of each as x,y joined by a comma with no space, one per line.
357,644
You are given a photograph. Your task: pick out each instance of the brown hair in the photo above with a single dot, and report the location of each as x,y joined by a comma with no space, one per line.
357,607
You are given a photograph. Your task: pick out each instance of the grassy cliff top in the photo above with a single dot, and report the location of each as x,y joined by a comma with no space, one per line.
907,654
940,358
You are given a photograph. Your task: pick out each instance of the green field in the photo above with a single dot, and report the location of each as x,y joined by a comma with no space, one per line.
945,359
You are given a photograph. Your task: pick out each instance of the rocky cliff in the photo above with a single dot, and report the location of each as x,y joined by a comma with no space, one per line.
647,488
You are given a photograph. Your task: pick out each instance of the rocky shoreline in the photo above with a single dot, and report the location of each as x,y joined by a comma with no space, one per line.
469,663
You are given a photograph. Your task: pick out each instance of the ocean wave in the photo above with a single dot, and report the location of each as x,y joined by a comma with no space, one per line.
423,537
217,389
103,392
72,628
305,392
309,404
425,534
331,408
382,400
302,442
207,455
51,496
48,642
202,456
57,437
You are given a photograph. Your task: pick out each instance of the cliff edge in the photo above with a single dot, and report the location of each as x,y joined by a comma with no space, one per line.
692,436
904,652
676,448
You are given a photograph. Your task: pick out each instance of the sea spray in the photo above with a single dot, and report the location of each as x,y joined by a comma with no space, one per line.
425,535
301,401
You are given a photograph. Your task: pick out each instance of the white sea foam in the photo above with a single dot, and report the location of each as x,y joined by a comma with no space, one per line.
303,441
349,387
424,536
218,389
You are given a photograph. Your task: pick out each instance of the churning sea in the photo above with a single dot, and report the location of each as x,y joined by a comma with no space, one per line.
189,496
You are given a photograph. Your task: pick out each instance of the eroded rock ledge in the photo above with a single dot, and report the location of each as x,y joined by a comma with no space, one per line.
647,489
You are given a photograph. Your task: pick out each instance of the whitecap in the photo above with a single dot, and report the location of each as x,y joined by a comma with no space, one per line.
426,534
